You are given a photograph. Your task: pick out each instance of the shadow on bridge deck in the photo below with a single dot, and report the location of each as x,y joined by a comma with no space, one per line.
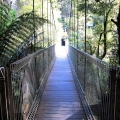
60,100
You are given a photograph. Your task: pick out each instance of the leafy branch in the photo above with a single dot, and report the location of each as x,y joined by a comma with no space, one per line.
13,37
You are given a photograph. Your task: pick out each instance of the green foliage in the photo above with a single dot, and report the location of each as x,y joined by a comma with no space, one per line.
54,3
71,39
81,7
60,20
99,36
6,16
96,8
26,9
12,16
17,35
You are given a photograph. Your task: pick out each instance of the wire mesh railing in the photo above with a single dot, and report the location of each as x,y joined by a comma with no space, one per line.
96,83
28,77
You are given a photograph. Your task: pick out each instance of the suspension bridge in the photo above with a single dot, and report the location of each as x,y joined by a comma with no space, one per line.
44,80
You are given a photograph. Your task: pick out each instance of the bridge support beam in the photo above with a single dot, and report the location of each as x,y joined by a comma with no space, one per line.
3,110
9,94
115,93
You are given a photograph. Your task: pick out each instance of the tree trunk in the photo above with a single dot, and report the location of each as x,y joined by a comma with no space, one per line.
117,23
105,34
118,27
97,52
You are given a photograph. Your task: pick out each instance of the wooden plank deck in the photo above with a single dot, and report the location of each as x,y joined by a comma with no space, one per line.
60,100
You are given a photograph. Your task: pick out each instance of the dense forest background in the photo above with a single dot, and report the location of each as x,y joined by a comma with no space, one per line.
92,28
90,25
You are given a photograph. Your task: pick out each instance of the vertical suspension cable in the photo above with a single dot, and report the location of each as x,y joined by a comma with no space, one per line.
47,24
42,31
53,23
77,25
43,24
70,25
43,55
85,47
77,36
34,24
51,27
85,23
70,21
50,21
74,25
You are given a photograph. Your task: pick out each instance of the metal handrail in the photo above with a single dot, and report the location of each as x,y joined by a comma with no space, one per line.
99,63
17,65
95,78
28,78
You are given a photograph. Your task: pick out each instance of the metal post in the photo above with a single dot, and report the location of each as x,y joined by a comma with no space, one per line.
115,82
3,96
9,93
113,95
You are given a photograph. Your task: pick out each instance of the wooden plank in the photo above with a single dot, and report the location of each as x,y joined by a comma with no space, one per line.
60,100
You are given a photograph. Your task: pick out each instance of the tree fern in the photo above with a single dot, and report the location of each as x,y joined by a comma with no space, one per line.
17,33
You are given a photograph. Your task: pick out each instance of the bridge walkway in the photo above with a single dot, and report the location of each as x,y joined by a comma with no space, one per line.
60,100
